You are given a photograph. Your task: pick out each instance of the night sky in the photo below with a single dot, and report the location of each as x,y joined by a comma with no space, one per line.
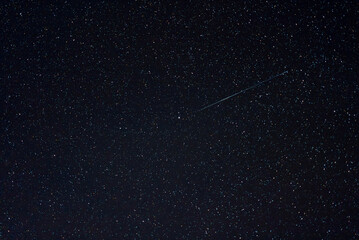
102,138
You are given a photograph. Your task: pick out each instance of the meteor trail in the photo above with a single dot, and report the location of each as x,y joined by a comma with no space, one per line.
242,91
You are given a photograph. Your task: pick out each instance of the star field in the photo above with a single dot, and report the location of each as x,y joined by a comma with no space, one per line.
102,138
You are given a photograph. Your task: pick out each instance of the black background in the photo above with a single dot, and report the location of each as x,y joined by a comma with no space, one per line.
101,138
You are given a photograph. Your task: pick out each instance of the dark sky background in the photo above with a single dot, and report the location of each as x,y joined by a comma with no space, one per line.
101,138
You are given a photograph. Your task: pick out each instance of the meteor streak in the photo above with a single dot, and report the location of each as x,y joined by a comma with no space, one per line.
242,91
